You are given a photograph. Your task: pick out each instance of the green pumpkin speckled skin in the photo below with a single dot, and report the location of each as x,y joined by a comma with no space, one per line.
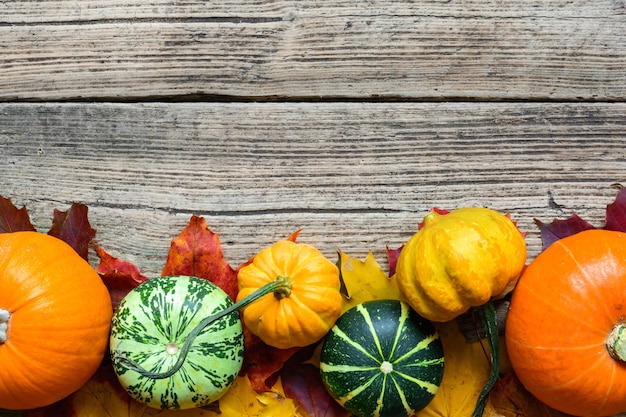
150,326
381,359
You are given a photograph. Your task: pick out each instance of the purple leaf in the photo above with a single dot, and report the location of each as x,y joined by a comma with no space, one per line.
73,227
558,229
616,213
13,219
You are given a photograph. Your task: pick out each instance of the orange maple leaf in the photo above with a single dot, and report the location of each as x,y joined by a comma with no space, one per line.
198,252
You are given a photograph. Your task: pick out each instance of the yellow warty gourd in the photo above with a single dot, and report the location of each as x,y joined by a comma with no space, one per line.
459,260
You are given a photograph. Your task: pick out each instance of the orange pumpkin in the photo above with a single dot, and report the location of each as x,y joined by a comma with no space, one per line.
55,314
308,305
565,326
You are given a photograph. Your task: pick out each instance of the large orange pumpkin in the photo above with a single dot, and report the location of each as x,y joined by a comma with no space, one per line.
307,305
565,327
55,314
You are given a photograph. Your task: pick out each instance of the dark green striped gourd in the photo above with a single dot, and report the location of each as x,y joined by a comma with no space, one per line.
150,328
382,359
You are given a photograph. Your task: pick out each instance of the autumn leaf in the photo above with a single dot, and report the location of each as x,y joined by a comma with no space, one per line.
276,403
559,229
303,383
241,400
72,226
261,362
198,252
466,371
365,280
112,266
392,259
616,212
119,276
510,399
103,396
13,219
615,219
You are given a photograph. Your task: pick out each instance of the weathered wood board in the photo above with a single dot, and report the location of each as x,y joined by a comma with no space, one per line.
355,177
427,50
347,119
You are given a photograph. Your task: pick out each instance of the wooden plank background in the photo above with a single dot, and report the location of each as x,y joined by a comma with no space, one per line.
347,119
427,49
355,177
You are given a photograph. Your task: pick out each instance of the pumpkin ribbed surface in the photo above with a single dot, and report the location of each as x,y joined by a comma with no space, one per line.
150,327
57,314
301,315
564,306
382,359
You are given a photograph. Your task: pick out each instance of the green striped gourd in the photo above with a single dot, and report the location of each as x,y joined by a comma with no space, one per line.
382,359
150,328
177,341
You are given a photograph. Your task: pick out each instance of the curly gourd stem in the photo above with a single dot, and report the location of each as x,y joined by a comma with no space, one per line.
281,287
4,325
488,314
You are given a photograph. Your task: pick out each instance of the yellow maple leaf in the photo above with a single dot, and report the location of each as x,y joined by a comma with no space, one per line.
276,403
243,401
365,281
240,400
466,370
99,398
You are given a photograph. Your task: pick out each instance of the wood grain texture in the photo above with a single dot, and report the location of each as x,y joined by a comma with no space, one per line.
427,50
354,176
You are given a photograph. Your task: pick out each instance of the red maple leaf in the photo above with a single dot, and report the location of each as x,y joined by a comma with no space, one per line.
198,252
119,276
72,226
392,259
13,219
261,362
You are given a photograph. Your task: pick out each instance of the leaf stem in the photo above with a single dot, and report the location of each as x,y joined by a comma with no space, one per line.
488,314
280,284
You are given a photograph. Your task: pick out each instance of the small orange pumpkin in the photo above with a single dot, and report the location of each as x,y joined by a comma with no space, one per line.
565,328
55,315
459,260
308,305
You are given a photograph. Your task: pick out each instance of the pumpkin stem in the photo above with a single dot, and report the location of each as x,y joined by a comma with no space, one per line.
431,218
279,284
4,325
285,290
488,314
616,342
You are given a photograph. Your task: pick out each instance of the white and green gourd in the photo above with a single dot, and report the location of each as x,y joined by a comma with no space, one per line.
381,359
177,341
